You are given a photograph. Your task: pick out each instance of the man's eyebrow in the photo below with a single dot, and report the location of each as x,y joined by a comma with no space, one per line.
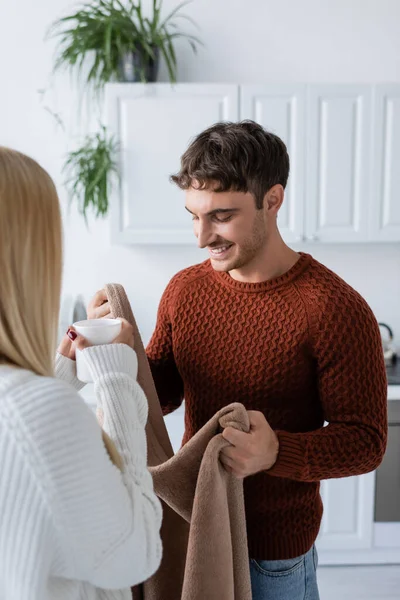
217,211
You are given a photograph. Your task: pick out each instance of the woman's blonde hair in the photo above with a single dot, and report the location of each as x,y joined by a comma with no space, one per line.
31,268
30,263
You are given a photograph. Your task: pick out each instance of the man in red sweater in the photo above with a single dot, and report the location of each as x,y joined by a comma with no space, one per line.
273,329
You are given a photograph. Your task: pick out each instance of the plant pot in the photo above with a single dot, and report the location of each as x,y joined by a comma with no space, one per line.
134,65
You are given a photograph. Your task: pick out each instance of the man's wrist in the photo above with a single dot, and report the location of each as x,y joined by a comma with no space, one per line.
273,453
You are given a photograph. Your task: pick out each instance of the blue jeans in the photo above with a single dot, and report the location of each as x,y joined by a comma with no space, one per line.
292,579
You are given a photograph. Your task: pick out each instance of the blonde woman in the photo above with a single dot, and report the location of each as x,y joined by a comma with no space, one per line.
72,523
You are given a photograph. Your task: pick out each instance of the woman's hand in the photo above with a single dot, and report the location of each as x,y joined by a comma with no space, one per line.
73,341
70,342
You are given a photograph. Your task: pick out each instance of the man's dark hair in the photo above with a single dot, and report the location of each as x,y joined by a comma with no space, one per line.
241,157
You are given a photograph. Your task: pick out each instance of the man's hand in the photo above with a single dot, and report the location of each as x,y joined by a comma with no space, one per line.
99,307
250,452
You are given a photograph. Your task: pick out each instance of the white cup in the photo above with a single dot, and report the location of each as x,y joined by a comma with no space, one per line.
97,332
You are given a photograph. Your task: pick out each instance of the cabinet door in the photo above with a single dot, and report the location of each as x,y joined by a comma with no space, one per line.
338,162
387,497
154,124
281,110
348,513
385,198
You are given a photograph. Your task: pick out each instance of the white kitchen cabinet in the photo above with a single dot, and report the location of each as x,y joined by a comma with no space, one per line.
281,110
154,124
343,142
385,199
348,533
347,522
338,162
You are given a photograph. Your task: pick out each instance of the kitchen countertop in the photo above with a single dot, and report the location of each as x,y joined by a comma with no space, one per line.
394,392
393,373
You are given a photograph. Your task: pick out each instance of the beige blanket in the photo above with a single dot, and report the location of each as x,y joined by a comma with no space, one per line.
205,554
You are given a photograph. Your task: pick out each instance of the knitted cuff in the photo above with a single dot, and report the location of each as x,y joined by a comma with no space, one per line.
111,358
65,369
291,461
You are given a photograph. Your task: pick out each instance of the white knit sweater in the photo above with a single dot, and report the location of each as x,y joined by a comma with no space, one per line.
71,524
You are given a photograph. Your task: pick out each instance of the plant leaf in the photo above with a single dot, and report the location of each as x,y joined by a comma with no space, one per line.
174,12
170,67
88,172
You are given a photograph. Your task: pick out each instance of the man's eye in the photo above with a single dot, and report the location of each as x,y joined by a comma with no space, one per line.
194,218
224,219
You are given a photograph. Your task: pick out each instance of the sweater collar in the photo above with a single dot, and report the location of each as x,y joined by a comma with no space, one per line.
264,286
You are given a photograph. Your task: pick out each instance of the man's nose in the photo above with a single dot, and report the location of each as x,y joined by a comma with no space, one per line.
205,235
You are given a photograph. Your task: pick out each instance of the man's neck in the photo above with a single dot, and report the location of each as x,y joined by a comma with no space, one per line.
275,260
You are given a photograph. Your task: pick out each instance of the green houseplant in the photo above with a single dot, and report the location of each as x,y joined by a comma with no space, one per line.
122,42
90,171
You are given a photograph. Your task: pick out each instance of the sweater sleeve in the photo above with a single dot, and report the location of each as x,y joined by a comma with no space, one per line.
353,393
109,522
160,354
65,369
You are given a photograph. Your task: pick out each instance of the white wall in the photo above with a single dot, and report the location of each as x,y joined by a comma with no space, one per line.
254,41
295,40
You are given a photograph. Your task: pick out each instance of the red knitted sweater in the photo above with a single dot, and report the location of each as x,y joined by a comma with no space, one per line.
304,349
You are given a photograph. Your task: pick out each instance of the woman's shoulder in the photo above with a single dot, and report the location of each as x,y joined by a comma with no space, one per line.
42,417
15,381
28,398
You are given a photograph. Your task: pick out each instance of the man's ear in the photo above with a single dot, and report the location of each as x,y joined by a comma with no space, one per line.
273,199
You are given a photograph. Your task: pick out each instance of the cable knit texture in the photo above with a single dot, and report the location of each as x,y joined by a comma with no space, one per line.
74,527
303,348
66,371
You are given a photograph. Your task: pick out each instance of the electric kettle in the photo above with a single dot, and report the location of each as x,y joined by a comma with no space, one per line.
389,351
